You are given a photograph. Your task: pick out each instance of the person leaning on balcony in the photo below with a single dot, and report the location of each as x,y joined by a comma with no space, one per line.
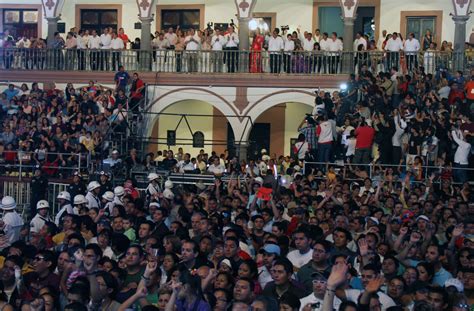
232,46
105,40
71,46
193,44
217,44
171,37
289,48
393,47
275,46
94,45
82,41
411,48
335,46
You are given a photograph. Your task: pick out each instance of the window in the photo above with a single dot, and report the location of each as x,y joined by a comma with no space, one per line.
21,22
99,19
185,19
419,26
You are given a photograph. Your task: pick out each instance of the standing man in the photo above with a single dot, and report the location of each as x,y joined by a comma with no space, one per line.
11,222
365,137
122,78
412,47
217,43
105,41
94,45
335,47
116,44
39,190
393,47
232,46
41,218
193,45
461,157
275,47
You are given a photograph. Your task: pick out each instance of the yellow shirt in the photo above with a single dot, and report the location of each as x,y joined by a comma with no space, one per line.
59,238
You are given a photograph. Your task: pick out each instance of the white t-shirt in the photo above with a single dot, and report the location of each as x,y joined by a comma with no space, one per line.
297,259
311,298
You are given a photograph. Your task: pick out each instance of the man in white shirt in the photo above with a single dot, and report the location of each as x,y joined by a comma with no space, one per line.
358,41
381,40
412,47
94,45
160,44
317,35
105,40
393,47
217,45
82,42
171,37
288,47
232,46
314,301
334,47
461,157
216,168
193,44
303,252
275,46
116,45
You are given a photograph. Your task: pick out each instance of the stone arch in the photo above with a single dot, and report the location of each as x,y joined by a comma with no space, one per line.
275,99
174,96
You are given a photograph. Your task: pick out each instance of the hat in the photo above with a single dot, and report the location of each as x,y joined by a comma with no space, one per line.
168,194
258,180
425,218
291,205
226,262
320,275
42,204
297,168
8,203
115,152
263,151
168,184
456,283
375,220
156,204
152,176
266,157
271,249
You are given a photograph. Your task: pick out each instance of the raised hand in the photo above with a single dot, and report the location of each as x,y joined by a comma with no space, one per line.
338,275
363,247
403,231
415,237
150,268
374,285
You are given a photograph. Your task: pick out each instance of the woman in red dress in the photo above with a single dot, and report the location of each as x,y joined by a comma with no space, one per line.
256,52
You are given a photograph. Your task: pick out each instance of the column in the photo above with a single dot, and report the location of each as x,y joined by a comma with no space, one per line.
459,41
244,34
347,57
145,43
52,28
242,151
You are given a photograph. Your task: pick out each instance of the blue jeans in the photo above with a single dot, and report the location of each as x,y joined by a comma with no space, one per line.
460,173
324,152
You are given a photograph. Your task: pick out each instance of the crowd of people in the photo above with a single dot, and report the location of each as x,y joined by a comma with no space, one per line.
275,51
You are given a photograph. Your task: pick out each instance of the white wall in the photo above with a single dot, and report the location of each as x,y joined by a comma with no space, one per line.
294,114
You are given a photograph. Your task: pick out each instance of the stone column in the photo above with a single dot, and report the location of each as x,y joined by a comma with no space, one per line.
145,43
242,151
459,41
244,34
347,57
52,28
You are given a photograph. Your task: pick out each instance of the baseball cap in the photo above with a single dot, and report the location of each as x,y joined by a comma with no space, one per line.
271,249
425,218
225,262
456,283
320,275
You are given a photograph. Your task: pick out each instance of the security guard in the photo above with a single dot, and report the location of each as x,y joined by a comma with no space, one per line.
11,222
41,217
65,207
92,195
39,190
105,184
77,186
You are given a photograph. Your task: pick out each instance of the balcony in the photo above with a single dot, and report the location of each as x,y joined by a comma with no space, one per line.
218,68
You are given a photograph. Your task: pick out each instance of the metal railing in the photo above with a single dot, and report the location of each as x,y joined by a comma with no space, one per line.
231,61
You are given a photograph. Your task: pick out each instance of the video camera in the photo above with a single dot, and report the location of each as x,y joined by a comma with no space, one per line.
285,27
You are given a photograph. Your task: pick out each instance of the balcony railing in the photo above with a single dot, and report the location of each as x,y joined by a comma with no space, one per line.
171,61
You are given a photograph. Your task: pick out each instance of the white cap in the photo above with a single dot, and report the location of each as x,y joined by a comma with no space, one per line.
259,180
226,262
152,176
297,168
168,194
263,151
168,184
8,203
42,204
425,218
93,185
119,191
64,195
115,152
456,283
266,157
80,199
109,196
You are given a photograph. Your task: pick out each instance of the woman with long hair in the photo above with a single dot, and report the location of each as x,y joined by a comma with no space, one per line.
256,52
187,294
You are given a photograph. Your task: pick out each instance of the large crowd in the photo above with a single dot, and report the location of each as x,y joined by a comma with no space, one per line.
277,233
217,50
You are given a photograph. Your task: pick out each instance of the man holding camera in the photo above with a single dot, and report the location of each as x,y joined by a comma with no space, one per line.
314,301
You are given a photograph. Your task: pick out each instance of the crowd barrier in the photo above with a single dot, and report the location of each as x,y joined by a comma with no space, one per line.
231,61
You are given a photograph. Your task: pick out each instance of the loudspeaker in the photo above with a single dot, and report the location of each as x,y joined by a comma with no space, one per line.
138,26
171,138
62,27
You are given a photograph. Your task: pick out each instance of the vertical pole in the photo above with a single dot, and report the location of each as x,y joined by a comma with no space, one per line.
459,41
145,43
347,56
52,28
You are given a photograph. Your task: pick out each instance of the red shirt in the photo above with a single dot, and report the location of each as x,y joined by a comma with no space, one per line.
455,94
124,38
365,137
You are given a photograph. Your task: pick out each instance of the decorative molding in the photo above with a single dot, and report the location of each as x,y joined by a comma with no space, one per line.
241,99
349,8
461,7
200,7
52,8
145,8
38,7
245,8
439,22
80,7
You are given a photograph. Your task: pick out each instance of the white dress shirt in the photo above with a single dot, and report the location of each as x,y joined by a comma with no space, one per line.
394,45
160,44
81,43
275,44
192,43
323,44
94,43
358,42
412,45
232,40
308,45
117,44
171,37
217,42
289,46
464,148
105,40
335,45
